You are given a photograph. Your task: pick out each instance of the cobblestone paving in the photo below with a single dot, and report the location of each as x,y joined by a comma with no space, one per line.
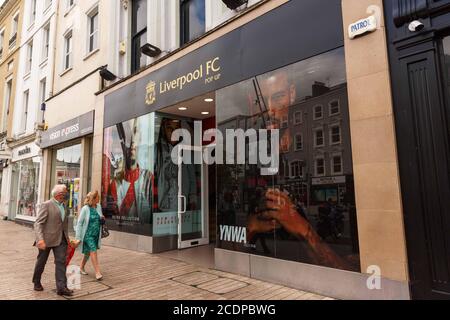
128,275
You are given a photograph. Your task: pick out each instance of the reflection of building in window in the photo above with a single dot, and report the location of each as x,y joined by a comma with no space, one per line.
335,134
298,117
318,112
319,167
335,108
296,169
336,164
298,142
319,139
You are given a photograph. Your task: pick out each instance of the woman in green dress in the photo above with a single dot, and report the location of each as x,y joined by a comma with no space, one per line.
88,232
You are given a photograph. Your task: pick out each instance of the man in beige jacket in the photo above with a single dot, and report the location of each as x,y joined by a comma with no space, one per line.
52,234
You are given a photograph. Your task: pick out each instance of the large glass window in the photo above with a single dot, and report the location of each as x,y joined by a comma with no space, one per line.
140,180
28,186
138,34
66,170
192,20
308,215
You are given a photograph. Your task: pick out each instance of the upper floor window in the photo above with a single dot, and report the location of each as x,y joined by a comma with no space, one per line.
138,34
47,4
93,30
14,30
2,38
296,169
319,138
33,11
45,42
69,4
192,14
29,61
68,47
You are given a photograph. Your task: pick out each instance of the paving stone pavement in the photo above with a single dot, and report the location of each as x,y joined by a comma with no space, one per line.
128,275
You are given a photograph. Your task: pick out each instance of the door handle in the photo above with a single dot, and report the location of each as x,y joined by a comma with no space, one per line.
184,204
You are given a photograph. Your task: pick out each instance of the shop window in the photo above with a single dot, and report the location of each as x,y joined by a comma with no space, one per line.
27,197
66,165
138,34
192,16
304,86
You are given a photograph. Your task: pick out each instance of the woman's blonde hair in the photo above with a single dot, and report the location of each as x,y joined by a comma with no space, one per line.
89,200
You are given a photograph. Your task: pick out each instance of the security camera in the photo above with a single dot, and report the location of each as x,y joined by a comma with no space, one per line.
416,26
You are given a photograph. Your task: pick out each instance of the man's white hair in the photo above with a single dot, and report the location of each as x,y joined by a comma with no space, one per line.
58,189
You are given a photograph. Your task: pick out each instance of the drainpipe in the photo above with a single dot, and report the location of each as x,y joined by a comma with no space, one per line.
53,71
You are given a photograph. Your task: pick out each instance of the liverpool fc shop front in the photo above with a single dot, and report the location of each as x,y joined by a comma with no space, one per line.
305,216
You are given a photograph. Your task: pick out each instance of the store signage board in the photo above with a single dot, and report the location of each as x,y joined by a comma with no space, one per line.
25,152
236,56
328,180
72,129
362,27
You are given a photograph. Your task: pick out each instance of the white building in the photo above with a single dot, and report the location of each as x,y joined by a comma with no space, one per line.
34,76
84,43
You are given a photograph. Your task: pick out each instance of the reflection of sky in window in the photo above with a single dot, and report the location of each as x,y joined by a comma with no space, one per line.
196,18
328,68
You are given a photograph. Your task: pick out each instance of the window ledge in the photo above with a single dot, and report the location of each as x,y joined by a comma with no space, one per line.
47,9
90,54
65,71
43,63
30,27
69,10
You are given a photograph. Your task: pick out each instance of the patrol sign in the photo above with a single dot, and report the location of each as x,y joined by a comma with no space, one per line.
362,27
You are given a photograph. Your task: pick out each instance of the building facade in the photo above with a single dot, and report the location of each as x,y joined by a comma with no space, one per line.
338,168
33,78
11,17
348,208
83,48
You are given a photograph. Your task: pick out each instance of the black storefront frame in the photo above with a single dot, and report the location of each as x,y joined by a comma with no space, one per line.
422,118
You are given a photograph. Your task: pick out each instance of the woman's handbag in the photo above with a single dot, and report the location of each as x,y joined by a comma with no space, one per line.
105,231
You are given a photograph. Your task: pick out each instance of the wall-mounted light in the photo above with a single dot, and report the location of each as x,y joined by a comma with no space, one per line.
234,4
150,50
107,75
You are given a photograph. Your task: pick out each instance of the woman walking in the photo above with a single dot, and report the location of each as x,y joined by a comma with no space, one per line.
88,232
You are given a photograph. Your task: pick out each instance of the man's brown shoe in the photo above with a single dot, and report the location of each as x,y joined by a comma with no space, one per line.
38,287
